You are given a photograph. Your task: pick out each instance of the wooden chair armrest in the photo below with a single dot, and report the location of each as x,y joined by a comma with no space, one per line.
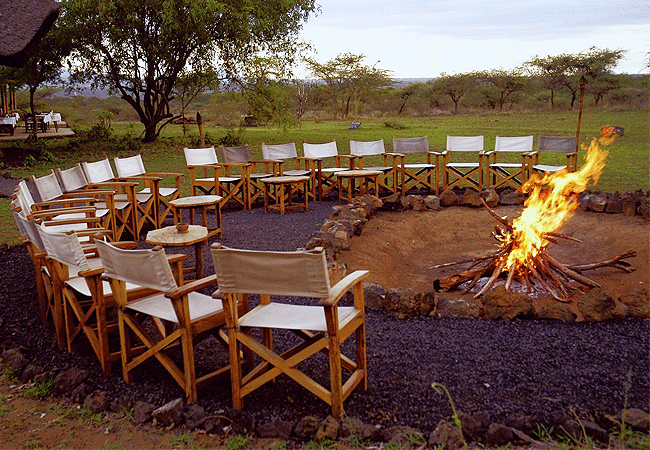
176,257
192,286
344,286
164,174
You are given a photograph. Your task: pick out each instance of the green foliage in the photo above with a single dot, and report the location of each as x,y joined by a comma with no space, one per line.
238,442
87,415
394,125
322,444
439,388
10,373
40,390
230,139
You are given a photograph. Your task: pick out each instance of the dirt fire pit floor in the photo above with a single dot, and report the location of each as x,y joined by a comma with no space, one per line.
533,367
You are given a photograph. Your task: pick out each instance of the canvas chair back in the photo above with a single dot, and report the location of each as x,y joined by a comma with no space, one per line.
514,143
239,154
72,179
48,187
24,197
131,166
317,151
465,143
98,171
411,145
64,248
279,151
29,229
200,156
560,144
301,273
364,148
143,267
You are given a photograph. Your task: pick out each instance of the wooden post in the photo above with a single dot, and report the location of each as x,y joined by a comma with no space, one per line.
199,121
583,83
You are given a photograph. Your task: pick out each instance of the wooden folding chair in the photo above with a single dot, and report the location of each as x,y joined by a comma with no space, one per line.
254,170
501,172
326,161
321,327
73,180
209,176
470,171
554,146
417,173
286,153
100,176
132,168
175,315
389,179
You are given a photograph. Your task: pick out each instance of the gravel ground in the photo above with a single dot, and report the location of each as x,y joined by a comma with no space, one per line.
538,368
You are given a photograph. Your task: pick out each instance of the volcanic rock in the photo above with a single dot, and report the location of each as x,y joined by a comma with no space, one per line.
351,426
142,411
462,308
401,302
392,202
510,197
275,429
448,198
122,404
414,202
194,416
490,196
79,394
556,311
307,427
637,419
501,304
402,435
97,401
597,305
68,380
475,425
15,359
471,198
374,295
328,429
446,435
30,371
169,413
644,208
499,435
432,202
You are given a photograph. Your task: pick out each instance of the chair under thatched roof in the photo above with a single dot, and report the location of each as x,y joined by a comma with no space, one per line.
23,23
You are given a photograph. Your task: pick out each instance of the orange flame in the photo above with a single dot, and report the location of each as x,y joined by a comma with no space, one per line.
551,202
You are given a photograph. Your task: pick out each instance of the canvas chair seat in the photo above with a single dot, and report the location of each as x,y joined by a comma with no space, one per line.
159,306
549,145
286,153
325,160
361,149
293,317
240,156
499,172
291,274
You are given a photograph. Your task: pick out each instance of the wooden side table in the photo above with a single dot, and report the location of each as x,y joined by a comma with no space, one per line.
282,189
365,178
170,237
202,203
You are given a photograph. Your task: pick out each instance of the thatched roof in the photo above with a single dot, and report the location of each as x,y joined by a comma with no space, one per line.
22,25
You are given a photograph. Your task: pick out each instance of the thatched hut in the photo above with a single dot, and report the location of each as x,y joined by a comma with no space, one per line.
22,25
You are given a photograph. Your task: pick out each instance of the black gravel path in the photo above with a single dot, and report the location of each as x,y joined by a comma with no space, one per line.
539,368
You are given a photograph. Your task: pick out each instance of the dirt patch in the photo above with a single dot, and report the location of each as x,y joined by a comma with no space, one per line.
406,245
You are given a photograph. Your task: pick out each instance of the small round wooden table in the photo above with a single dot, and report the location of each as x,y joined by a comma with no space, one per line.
366,177
201,202
282,189
170,237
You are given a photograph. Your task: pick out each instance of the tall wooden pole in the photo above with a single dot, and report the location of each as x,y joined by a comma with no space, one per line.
199,121
583,83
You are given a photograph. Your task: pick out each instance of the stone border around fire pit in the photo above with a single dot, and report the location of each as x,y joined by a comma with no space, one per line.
596,305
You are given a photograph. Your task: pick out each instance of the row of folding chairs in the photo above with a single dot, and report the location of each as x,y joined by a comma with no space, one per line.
97,290
411,164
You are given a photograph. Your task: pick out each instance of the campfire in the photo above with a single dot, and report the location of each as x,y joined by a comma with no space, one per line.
522,245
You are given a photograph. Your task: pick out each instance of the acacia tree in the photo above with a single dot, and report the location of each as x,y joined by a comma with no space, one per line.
596,64
500,86
138,48
553,71
347,80
454,86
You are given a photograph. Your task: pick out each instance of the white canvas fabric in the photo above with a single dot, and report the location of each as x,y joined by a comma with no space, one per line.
279,151
514,144
316,151
301,273
293,317
566,144
159,306
129,167
29,229
364,148
48,187
143,267
25,199
465,143
64,248
411,145
98,171
72,179
200,156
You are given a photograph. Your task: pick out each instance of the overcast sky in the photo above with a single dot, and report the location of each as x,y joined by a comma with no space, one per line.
418,38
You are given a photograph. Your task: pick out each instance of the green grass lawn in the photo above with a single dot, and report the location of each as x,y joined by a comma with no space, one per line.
627,166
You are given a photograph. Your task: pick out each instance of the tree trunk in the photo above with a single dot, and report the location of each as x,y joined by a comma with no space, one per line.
34,134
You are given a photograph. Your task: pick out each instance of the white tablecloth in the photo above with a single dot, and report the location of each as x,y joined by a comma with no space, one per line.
11,120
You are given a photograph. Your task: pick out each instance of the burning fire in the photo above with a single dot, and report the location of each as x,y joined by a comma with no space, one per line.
551,202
